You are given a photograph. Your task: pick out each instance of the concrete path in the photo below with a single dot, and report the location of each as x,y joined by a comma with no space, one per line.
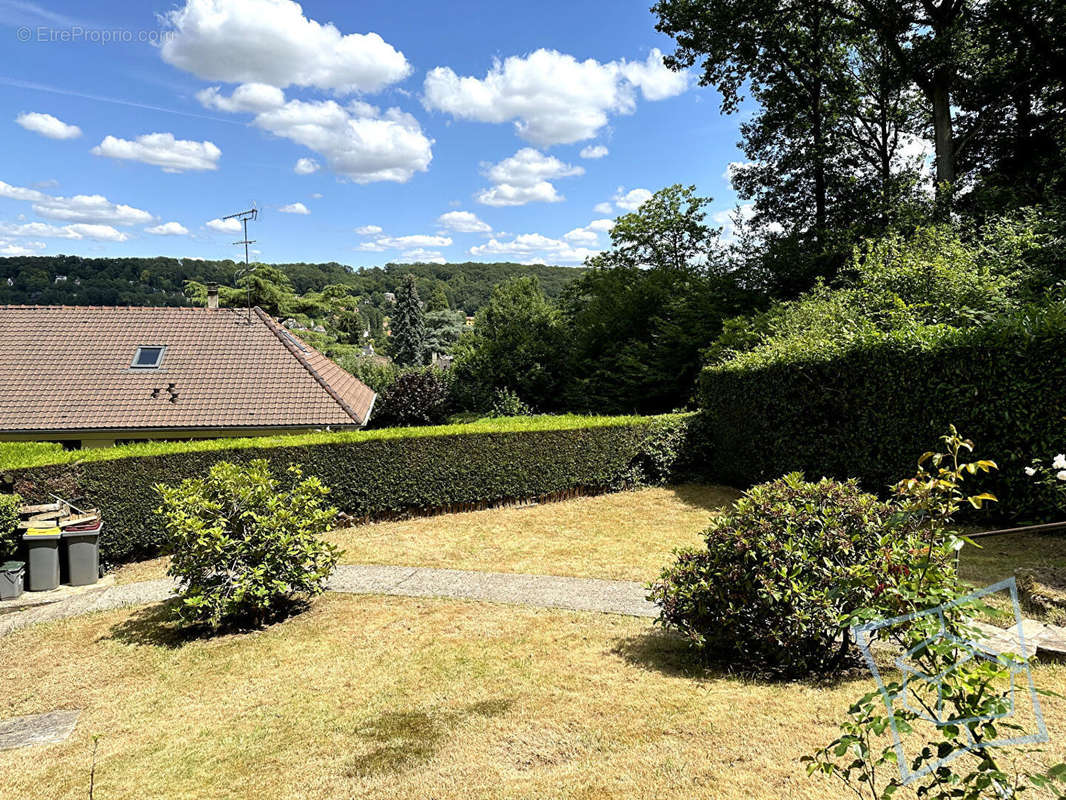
579,594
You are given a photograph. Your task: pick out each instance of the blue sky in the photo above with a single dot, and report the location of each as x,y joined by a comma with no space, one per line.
406,131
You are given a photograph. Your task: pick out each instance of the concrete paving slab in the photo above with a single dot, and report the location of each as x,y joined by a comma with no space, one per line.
55,726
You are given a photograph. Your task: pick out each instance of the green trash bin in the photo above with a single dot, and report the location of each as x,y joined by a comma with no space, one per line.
11,577
82,545
42,557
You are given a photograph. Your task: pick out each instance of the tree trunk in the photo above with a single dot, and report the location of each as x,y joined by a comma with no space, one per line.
943,138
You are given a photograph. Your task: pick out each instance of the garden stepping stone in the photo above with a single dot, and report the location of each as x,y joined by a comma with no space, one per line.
55,726
1039,638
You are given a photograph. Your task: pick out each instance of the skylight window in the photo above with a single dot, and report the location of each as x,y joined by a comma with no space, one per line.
148,357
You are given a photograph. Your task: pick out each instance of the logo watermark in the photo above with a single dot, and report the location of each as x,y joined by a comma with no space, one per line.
77,34
921,694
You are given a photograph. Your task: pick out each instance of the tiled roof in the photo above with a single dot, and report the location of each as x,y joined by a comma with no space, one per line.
68,368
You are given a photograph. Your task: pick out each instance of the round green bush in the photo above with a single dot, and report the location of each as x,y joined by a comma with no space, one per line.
780,575
245,545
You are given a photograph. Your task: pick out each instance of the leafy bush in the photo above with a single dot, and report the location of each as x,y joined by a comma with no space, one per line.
243,546
954,725
864,409
772,586
506,403
416,397
378,374
370,473
9,520
794,565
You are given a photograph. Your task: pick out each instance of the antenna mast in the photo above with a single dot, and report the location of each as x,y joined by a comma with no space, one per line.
244,216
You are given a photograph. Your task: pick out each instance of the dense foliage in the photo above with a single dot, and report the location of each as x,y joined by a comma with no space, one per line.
373,473
517,344
853,97
769,590
947,729
73,280
244,545
9,520
415,397
863,411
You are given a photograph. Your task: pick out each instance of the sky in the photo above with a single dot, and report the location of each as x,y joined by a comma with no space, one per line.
365,132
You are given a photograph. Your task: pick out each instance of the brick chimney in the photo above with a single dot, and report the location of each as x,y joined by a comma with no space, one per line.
212,295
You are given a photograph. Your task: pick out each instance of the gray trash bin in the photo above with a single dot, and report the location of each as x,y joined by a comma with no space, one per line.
42,557
11,576
82,545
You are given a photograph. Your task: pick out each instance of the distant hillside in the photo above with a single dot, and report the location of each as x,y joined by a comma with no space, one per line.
72,280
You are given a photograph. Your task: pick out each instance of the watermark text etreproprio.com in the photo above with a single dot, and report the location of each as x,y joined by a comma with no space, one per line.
77,34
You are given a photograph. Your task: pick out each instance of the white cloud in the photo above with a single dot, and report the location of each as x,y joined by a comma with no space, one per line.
47,125
631,200
76,231
603,208
93,208
305,166
21,193
25,249
358,141
582,236
594,151
368,230
224,225
411,242
168,229
317,195
422,256
272,42
162,150
524,178
551,97
464,222
601,225
294,208
372,247
533,245
254,97
104,233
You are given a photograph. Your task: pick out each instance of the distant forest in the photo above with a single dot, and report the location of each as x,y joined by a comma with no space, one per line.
72,280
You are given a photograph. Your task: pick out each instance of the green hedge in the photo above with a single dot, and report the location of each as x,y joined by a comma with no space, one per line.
372,473
872,410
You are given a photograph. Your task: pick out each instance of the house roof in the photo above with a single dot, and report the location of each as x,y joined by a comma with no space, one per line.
66,368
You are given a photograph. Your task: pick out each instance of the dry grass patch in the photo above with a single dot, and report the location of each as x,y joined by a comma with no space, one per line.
406,698
999,556
623,536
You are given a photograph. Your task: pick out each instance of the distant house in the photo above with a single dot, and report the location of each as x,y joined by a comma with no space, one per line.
93,376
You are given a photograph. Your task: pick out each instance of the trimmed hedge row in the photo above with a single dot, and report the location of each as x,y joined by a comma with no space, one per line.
379,475
870,412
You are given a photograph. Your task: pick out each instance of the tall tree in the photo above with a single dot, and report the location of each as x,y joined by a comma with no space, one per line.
640,316
408,326
517,343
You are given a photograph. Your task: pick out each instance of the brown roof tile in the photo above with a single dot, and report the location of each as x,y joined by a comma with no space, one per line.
68,368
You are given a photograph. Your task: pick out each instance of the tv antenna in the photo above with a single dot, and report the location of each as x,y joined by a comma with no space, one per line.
244,217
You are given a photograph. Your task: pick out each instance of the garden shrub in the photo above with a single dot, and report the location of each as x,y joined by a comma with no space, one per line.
863,409
9,520
773,584
370,473
415,397
244,545
507,403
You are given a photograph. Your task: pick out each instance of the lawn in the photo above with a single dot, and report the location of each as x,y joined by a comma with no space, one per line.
389,697
622,536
